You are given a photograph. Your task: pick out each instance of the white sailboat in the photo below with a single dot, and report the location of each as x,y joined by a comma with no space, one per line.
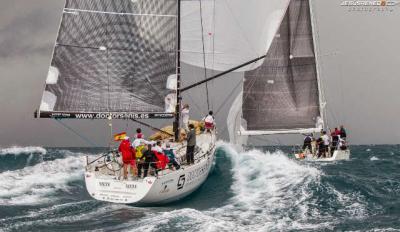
284,95
120,59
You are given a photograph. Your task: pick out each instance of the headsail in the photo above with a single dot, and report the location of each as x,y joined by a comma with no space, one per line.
234,31
282,95
113,56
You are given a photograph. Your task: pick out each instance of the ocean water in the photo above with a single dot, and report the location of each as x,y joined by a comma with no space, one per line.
43,189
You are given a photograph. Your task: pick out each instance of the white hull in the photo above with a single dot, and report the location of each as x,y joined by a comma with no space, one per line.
337,155
168,186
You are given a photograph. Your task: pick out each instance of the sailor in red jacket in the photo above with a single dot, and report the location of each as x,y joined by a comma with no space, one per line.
127,156
162,158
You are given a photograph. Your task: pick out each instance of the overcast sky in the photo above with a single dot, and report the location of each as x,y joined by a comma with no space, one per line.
359,58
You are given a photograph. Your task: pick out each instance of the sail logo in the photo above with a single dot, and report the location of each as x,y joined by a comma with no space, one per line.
165,189
181,181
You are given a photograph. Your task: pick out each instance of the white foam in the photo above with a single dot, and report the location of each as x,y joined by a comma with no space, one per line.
51,215
22,150
374,158
266,187
271,193
35,184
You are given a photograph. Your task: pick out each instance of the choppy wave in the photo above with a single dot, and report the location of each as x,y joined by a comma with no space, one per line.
36,184
22,150
263,191
271,192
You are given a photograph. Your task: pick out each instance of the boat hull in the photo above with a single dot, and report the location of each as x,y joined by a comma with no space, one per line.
167,187
337,155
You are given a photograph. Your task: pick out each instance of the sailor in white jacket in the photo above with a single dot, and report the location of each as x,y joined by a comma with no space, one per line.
185,117
209,122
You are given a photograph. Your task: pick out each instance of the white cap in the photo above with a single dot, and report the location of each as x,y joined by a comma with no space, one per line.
126,137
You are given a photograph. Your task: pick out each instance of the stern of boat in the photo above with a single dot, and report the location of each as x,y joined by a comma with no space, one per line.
118,191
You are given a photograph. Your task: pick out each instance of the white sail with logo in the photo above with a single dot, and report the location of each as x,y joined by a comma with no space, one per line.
113,56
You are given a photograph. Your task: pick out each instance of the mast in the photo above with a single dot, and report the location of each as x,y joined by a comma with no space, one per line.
178,76
321,96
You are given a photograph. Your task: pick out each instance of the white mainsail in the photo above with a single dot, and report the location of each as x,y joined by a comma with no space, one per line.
113,56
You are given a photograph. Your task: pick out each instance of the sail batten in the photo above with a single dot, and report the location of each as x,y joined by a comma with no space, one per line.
113,56
282,94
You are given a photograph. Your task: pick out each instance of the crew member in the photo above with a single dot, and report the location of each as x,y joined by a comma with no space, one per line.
191,143
320,145
127,157
335,139
150,160
168,151
185,117
326,141
209,122
307,143
139,158
343,134
139,134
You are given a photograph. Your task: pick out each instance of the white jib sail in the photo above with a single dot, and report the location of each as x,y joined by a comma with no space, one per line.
234,31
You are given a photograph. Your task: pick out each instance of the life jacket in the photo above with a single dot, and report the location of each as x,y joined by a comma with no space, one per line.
162,160
133,153
139,153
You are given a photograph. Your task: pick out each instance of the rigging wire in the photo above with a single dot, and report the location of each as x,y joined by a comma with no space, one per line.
204,54
213,42
77,133
223,103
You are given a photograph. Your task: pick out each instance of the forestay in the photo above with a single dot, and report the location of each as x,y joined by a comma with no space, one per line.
113,56
282,95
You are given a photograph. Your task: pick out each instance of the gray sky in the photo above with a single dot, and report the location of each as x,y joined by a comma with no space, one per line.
359,58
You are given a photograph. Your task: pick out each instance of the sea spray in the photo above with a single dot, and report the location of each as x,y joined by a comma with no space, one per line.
22,150
35,184
271,192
